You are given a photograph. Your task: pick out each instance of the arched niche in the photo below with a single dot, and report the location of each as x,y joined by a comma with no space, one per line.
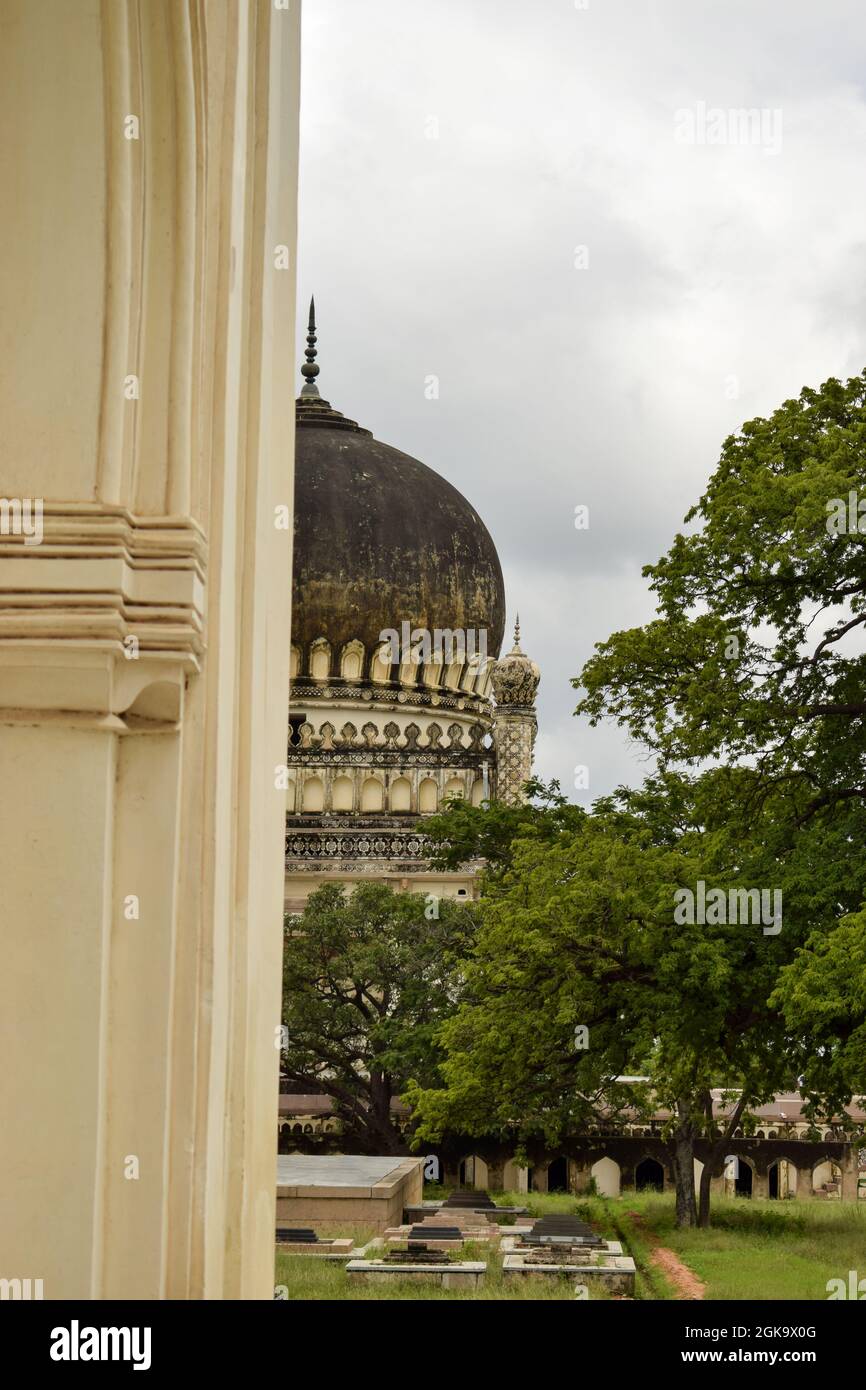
341,794
557,1174
352,661
744,1180
372,795
428,796
473,1172
380,666
400,794
320,659
314,795
649,1176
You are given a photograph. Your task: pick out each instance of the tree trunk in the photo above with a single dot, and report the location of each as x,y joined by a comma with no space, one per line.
383,1130
683,1157
711,1167
704,1200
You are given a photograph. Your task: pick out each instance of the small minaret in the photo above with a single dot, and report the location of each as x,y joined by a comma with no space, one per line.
310,369
515,681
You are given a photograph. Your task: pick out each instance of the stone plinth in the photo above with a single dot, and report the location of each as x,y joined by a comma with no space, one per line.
420,1211
604,1268
336,1191
468,1274
467,1223
399,1235
325,1249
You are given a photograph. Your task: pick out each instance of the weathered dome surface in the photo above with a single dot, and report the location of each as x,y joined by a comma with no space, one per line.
381,539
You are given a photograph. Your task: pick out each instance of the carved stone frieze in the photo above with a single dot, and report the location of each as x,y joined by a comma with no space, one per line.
311,693
389,757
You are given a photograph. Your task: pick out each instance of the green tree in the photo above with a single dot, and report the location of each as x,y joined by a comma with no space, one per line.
580,933
757,660
367,979
463,834
757,652
823,996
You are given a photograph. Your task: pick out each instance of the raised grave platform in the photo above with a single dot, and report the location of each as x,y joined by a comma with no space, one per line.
332,1192
614,1273
566,1247
451,1275
446,1230
562,1230
469,1199
480,1203
305,1241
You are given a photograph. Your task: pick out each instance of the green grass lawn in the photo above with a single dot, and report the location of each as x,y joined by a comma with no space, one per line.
308,1278
755,1249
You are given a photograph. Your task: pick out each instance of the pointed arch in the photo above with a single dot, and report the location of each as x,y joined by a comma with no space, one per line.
372,795
342,794
352,661
320,659
380,665
314,795
400,794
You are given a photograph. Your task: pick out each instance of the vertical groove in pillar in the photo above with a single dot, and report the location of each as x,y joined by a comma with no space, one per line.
122,161
187,286
100,1155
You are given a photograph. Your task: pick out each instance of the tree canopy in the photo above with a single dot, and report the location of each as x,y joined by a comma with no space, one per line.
580,975
750,690
757,651
368,976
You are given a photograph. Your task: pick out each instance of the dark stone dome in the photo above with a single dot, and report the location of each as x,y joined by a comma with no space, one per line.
380,539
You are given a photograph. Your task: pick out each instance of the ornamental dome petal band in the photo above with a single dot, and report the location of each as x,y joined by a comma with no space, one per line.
398,614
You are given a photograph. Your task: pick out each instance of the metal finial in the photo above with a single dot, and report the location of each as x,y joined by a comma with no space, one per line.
517,633
310,369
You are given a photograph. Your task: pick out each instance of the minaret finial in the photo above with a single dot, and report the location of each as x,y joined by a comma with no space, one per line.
310,369
517,634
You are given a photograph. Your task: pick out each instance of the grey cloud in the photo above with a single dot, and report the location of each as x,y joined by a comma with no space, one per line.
720,279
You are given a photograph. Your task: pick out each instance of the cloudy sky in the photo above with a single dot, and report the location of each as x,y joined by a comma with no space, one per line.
546,206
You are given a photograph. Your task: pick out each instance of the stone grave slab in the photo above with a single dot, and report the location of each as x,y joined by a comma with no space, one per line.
453,1275
303,1240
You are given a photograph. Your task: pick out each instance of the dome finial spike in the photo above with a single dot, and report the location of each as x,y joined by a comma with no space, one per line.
310,369
517,634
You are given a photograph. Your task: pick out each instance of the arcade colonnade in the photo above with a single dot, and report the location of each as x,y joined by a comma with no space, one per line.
766,1168
147,281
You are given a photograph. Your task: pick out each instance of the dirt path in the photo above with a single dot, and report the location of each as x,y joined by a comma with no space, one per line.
683,1279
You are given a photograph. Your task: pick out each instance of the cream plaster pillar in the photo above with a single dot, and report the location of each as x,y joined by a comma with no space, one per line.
579,1176
147,281
850,1174
539,1176
804,1182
